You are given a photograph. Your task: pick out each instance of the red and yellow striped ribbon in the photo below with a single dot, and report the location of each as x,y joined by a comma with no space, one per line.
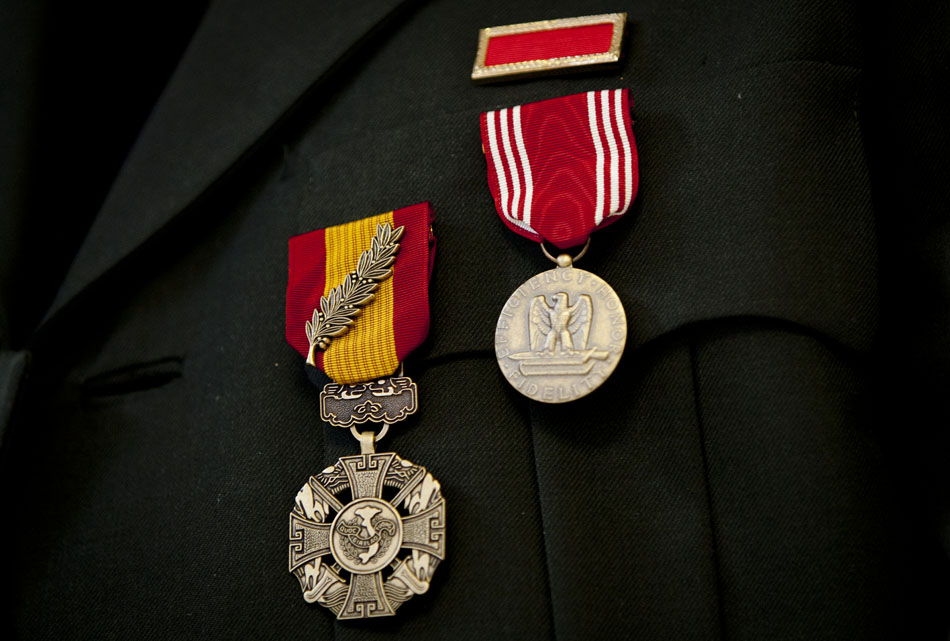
389,327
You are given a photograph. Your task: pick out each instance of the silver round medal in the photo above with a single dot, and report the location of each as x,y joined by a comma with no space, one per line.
366,557
560,334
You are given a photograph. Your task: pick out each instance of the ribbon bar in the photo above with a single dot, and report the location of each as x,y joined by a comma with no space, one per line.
389,327
547,46
559,169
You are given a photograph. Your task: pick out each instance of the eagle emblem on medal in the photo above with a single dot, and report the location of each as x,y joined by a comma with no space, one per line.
553,330
560,334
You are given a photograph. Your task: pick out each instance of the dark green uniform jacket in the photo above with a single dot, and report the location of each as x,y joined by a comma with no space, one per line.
768,461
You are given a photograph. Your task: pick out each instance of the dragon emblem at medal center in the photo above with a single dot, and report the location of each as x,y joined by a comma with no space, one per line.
367,557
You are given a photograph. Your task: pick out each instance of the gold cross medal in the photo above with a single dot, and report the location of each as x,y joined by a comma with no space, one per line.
558,170
366,533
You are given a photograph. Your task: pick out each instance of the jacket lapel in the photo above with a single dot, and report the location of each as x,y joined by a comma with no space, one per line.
247,67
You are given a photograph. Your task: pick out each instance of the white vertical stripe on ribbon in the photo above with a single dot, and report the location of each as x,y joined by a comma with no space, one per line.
515,177
496,160
525,165
627,156
614,158
599,150
501,173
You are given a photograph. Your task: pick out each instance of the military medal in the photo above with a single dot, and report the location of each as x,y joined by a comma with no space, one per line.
366,533
558,170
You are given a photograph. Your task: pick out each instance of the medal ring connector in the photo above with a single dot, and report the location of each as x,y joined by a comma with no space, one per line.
369,435
565,260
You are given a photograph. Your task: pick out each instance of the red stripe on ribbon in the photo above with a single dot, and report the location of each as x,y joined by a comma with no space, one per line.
306,279
411,274
559,169
549,43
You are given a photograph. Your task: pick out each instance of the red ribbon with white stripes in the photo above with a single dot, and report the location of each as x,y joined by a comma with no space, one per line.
559,169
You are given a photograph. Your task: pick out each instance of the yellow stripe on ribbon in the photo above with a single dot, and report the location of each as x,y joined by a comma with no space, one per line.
368,350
